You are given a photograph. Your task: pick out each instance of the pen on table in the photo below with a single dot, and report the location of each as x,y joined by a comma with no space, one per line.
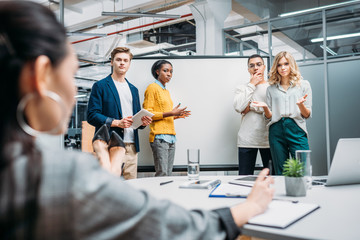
163,183
240,184
285,200
235,195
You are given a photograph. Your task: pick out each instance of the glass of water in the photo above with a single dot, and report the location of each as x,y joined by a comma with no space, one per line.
193,156
304,157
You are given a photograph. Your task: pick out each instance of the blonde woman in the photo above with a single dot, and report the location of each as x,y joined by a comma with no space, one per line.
288,105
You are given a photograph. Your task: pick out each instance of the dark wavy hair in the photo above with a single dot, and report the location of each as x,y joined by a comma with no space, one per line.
157,66
27,31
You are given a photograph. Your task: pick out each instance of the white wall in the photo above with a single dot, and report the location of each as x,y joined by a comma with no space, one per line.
206,86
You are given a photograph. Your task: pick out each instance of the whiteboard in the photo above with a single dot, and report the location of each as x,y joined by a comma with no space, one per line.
206,86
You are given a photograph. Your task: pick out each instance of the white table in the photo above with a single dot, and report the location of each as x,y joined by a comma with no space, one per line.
337,218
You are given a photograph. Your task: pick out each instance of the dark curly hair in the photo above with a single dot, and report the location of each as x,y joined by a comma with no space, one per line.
157,66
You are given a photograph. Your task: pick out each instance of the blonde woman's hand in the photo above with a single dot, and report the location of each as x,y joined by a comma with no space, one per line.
302,100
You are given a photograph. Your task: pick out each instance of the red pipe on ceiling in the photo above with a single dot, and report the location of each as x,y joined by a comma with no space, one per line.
133,28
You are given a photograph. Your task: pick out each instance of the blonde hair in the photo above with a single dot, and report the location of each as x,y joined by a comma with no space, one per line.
295,75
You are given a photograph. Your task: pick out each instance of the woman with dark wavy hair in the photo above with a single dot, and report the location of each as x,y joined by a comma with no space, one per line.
56,194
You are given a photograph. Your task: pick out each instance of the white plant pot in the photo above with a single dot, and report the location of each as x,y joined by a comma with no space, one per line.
295,186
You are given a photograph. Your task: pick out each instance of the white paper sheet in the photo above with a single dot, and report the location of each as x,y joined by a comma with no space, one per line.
137,118
281,214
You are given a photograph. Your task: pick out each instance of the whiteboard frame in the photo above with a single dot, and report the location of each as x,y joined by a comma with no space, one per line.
214,123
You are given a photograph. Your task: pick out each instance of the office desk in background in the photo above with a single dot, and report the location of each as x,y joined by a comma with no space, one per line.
337,218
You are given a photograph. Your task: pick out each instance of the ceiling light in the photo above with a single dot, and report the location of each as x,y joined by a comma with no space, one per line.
126,14
336,37
80,96
317,8
329,50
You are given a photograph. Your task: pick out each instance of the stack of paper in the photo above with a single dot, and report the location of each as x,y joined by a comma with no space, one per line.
282,213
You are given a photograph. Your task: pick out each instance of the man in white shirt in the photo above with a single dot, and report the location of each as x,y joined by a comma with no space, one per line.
113,101
253,135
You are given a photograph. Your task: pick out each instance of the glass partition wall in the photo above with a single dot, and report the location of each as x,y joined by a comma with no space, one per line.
343,32
331,65
302,33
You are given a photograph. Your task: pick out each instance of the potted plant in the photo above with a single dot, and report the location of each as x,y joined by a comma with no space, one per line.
295,183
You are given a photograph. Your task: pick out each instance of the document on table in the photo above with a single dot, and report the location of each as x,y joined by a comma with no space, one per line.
137,118
230,191
283,213
248,180
201,184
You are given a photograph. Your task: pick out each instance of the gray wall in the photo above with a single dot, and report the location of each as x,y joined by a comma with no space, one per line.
344,101
344,110
316,124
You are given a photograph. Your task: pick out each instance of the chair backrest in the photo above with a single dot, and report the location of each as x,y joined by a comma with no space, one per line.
87,134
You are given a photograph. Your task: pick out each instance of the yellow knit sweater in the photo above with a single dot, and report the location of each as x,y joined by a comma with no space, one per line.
158,101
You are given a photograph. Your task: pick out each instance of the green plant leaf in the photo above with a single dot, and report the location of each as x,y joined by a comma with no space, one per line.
293,168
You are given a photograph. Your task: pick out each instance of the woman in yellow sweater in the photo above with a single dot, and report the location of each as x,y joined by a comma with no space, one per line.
162,131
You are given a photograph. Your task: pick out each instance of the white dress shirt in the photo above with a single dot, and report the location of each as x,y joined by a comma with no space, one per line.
282,103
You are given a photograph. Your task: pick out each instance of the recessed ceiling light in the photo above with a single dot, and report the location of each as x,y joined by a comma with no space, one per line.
350,35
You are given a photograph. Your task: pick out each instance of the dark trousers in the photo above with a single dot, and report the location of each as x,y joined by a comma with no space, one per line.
247,159
285,137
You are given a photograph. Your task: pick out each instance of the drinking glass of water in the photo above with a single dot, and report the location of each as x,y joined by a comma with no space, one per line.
193,156
304,157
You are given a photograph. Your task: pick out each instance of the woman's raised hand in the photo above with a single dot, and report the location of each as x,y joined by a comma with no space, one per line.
180,112
301,100
184,115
